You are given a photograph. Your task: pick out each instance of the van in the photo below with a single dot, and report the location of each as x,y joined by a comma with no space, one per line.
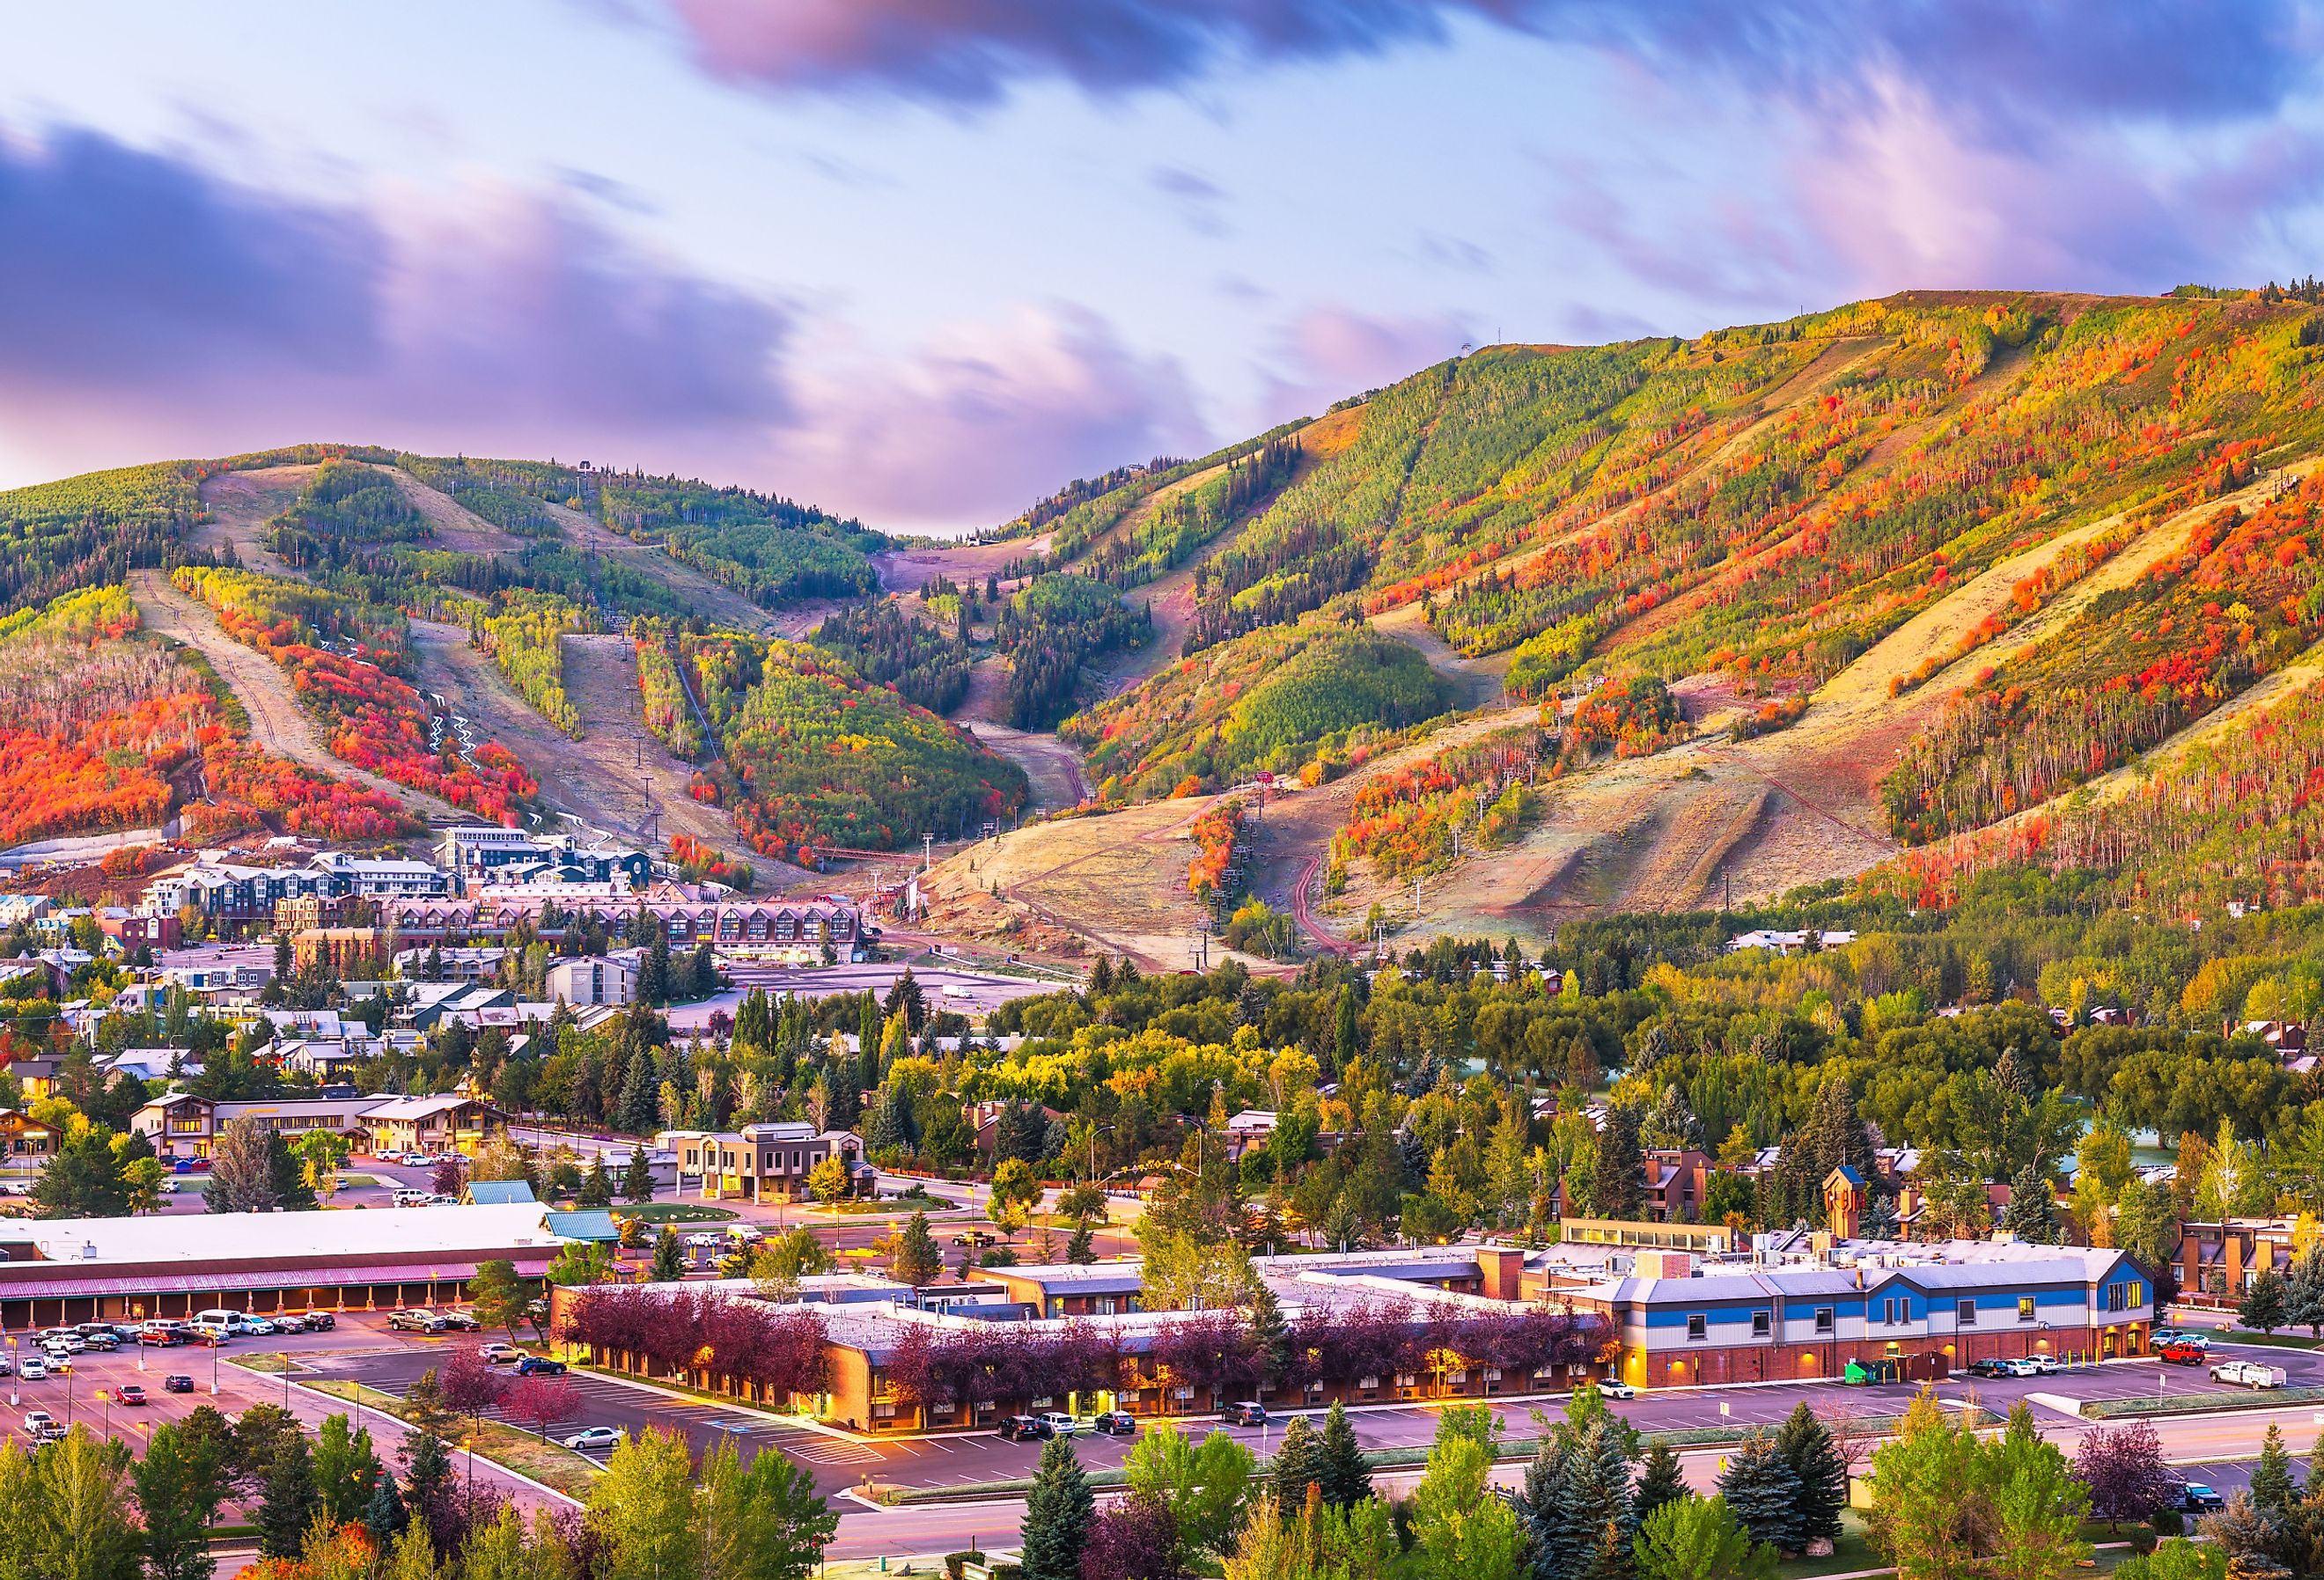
411,1198
217,1323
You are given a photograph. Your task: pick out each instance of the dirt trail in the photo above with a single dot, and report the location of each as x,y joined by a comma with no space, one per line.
242,503
455,526
1475,682
711,599
277,722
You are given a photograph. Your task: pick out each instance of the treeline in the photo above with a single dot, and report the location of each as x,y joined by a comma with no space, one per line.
56,537
1184,521
522,637
890,647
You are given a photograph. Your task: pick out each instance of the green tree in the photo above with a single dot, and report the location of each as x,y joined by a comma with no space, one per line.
2272,1486
641,1509
763,1521
179,1483
65,1512
1298,1464
2036,1507
1204,1485
2262,1306
1271,1335
497,1295
1698,1539
1346,1478
1921,1480
1015,1192
1057,1514
668,1258
827,1181
346,1470
777,1266
291,1502
1661,1479
914,1257
1820,1470
2031,1213
637,1176
83,1180
580,1262
597,1184
1460,1530
1764,1494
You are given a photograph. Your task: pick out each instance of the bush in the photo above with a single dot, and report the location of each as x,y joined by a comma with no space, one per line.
953,1561
2168,1523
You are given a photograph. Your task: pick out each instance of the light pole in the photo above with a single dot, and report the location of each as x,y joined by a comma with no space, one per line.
216,1346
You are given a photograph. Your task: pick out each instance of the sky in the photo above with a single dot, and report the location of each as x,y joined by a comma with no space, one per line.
921,262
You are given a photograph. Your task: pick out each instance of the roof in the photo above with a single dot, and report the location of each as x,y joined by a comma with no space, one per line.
194,1237
403,1110
584,1224
497,1192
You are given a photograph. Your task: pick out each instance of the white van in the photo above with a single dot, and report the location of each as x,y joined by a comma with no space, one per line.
218,1323
413,1199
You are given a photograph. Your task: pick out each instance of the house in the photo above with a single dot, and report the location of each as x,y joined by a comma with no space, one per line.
1677,1183
132,930
342,951
24,1140
472,963
758,1161
984,1119
179,1124
21,909
592,979
149,1064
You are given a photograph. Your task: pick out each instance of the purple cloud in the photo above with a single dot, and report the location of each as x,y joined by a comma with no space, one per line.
2010,59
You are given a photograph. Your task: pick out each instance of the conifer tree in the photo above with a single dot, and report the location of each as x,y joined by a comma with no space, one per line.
1345,1478
2031,1213
1764,1494
2270,1482
1298,1465
1822,1473
290,1503
1057,1514
1660,1481
668,1259
1271,1335
637,1179
1082,1249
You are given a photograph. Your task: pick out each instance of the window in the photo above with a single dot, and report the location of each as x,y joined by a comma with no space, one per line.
2024,1307
1965,1313
1762,1323
1408,1379
2116,1297
1697,1327
1184,1392
1361,1382
883,1412
1889,1311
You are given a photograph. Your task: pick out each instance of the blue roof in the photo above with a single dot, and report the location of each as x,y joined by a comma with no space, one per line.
585,1223
495,1193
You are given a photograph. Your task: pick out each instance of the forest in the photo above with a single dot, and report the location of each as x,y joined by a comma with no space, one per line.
56,537
1049,630
926,665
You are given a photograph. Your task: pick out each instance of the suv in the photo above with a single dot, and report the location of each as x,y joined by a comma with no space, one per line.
459,1321
1989,1368
1061,1424
540,1366
418,1319
1025,1428
2195,1498
499,1352
2179,1352
245,1326
1115,1424
1244,1412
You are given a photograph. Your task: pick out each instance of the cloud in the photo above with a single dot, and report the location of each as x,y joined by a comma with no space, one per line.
1196,197
1331,351
2009,60
986,418
144,303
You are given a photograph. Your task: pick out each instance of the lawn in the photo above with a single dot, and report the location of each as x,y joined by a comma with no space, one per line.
1852,1552
551,1464
676,1212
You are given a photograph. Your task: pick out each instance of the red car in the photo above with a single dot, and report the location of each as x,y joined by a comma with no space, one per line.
2182,1354
130,1393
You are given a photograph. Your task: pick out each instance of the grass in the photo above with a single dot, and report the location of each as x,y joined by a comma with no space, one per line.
2282,1341
2184,1404
1853,1551
549,1463
676,1212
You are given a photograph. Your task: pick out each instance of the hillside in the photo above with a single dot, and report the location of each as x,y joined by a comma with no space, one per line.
1905,567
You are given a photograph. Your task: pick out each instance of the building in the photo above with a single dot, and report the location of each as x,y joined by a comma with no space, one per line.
458,964
21,909
592,979
1677,1181
135,930
776,932
438,1125
342,951
236,897
484,855
58,1271
1886,1313
25,1141
2217,1262
303,913
758,1161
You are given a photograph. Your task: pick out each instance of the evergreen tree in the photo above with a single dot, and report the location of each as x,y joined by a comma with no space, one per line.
1619,1184
917,1260
2261,1307
1661,1481
638,1110
1082,1249
1057,1513
1879,1219
598,1186
1345,1478
669,1259
179,1488
428,1484
291,1502
1822,1473
384,1516
1545,1509
2031,1213
1762,1490
1298,1464
637,1179
2271,1483
1597,1483
1271,1335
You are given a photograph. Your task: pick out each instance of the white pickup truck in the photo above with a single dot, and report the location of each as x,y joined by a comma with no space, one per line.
2249,1373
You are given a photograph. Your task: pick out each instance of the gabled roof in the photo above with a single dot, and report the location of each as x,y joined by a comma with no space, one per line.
484,1193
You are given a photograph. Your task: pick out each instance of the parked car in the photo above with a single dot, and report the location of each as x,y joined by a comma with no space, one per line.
974,1237
1115,1424
500,1352
177,1382
1988,1367
129,1393
1061,1424
7,1367
1244,1412
1025,1428
2179,1352
418,1319
460,1322
62,1338
2044,1365
34,1369
321,1322
2252,1375
1613,1389
102,1343
540,1366
591,1439
244,1326
35,1419
160,1337
2195,1498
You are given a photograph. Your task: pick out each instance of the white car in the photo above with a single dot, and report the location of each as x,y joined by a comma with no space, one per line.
1617,1391
37,1421
33,1371
499,1352
1061,1423
594,1439
251,1327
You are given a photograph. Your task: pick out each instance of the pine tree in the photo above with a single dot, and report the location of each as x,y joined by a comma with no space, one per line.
668,1259
1298,1464
1878,1220
1545,1509
1619,1184
1822,1474
384,1516
1082,1249
1271,1335
428,1483
637,1179
2270,1482
598,1186
1764,1494
291,1502
917,1260
1057,1513
1661,1481
2261,1307
1345,1478
1597,1481
639,1108
2031,1213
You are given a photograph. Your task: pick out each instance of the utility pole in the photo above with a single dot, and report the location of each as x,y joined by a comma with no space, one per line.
927,851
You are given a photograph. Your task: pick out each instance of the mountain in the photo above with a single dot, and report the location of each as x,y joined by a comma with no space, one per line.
1787,603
